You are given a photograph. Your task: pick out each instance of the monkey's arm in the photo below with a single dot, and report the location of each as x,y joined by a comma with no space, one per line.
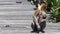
35,18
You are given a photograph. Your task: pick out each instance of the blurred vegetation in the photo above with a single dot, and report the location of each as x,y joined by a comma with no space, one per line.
54,5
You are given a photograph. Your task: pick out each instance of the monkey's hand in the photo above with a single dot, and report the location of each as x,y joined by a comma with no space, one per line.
36,21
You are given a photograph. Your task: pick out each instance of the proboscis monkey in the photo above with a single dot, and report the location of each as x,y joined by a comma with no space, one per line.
39,18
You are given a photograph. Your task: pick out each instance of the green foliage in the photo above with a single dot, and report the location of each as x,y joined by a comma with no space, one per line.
54,6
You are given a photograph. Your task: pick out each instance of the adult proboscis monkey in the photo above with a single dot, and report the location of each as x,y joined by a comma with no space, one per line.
39,18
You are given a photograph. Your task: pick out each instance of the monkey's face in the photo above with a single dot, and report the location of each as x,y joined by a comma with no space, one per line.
43,6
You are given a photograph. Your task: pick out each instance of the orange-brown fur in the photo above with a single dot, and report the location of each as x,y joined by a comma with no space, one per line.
43,7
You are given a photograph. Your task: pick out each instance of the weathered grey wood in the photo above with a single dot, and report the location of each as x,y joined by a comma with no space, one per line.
19,18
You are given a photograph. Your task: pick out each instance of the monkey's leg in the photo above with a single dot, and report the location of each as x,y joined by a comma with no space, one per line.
42,26
34,27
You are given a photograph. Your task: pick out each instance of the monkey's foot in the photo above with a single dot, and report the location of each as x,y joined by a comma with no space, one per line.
42,31
34,31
